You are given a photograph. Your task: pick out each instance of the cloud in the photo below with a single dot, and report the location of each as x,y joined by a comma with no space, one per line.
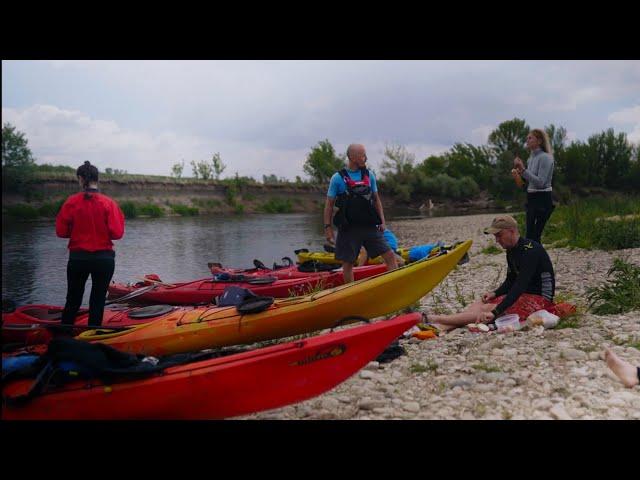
68,137
628,116
264,116
575,99
480,135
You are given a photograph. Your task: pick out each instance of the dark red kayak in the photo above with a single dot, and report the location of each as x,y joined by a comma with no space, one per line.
205,290
217,388
31,324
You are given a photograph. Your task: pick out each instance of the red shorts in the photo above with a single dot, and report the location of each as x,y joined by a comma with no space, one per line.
526,304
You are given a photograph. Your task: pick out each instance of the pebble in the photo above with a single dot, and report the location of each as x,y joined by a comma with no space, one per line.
616,402
370,404
330,403
542,404
573,354
460,383
559,413
373,366
494,376
413,407
580,372
367,375
536,378
385,411
484,387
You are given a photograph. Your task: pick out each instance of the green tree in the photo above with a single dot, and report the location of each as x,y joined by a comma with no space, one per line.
273,179
322,162
176,169
633,180
573,164
557,137
201,169
218,166
459,165
433,165
114,171
469,160
510,136
398,172
611,155
15,149
397,161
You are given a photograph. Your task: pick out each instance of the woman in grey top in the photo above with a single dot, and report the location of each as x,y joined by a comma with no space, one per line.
537,177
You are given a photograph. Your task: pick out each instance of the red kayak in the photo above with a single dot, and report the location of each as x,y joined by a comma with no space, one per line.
206,289
217,388
27,324
290,270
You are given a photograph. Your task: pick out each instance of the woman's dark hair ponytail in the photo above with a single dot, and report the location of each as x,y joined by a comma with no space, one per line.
88,173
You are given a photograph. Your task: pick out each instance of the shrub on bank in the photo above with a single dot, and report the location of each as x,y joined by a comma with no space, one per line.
129,209
150,210
184,210
22,211
209,203
277,205
51,209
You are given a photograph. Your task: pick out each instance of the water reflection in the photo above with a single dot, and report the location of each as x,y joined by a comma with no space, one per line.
176,248
34,260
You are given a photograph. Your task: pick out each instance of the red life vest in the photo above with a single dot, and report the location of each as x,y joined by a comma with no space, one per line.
356,205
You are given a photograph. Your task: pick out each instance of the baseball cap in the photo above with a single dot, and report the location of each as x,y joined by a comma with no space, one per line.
500,223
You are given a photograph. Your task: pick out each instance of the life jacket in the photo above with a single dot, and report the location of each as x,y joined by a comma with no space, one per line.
356,204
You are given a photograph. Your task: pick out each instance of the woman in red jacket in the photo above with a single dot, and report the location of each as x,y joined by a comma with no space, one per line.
90,220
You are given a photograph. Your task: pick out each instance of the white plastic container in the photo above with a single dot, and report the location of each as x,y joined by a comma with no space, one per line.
508,323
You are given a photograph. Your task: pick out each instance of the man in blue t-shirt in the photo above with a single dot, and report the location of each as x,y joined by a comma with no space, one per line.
363,212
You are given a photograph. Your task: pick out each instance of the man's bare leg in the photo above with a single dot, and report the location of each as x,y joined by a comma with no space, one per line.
448,322
390,260
347,271
626,372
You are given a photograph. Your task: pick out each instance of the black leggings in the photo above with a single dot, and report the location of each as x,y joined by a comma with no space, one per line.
539,208
78,271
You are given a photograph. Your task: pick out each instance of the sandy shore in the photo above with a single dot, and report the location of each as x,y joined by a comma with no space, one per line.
537,374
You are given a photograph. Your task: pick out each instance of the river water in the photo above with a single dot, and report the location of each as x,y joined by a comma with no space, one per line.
176,248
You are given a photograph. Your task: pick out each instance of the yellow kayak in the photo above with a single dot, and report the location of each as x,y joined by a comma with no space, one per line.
326,257
188,329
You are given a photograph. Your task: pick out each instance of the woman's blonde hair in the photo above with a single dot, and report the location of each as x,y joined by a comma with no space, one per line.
543,138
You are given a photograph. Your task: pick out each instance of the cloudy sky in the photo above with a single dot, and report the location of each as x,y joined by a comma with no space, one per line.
264,116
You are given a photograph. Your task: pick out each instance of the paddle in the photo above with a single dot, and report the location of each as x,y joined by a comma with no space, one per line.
131,295
158,282
57,326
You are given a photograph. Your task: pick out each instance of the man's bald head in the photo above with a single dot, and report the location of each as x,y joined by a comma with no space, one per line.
357,156
355,149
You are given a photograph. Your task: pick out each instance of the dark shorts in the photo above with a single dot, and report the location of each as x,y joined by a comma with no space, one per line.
349,242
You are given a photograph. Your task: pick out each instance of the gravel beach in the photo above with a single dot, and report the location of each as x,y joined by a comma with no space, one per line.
535,374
